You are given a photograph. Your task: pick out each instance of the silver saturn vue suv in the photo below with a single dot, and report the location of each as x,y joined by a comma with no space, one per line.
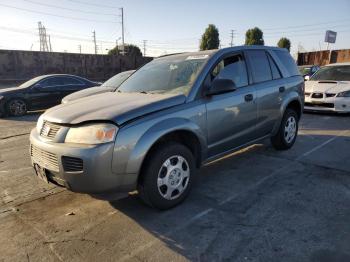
167,119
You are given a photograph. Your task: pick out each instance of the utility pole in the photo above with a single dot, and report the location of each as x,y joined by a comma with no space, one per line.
122,16
232,35
50,47
144,47
94,39
79,47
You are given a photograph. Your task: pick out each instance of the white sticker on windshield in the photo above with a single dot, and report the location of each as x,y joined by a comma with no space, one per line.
193,57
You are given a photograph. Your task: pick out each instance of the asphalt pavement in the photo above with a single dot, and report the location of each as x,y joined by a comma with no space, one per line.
255,205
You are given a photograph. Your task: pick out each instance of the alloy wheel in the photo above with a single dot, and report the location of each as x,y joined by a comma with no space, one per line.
290,129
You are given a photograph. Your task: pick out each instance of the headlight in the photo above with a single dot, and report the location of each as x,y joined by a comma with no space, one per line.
92,134
39,124
344,94
1,97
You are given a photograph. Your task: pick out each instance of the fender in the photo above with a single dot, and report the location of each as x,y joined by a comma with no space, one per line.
289,98
157,131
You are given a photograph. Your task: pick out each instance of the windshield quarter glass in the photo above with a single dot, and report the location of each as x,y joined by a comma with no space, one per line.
335,73
168,75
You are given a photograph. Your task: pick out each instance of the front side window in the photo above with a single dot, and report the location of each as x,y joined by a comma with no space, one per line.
233,68
260,66
334,73
168,75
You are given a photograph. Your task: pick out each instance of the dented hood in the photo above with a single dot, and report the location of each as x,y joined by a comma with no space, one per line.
116,107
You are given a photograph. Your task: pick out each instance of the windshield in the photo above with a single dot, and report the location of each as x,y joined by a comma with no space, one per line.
167,75
304,70
336,73
116,80
31,82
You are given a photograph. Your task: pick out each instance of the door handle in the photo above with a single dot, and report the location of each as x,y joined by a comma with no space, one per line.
282,89
248,97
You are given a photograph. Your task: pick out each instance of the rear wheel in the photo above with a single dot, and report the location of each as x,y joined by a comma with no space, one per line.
288,131
16,107
167,176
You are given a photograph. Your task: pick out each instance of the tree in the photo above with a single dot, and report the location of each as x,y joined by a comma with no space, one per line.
254,36
130,50
210,38
284,43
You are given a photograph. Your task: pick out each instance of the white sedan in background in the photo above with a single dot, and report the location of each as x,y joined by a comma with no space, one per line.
329,89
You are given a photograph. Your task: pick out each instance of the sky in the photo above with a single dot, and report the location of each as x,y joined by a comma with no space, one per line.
170,26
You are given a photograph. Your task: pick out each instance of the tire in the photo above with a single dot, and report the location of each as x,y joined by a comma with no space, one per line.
288,131
167,176
16,107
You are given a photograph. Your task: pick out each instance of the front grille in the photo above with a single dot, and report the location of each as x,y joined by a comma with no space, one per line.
45,159
72,164
327,105
317,95
49,130
330,95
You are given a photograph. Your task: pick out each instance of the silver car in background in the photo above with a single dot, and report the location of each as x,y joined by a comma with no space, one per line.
167,119
109,86
328,90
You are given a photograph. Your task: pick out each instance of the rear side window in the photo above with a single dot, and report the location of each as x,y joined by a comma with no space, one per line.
71,81
274,69
288,62
260,66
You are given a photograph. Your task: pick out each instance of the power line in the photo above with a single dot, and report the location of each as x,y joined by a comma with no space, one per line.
302,26
304,30
90,4
65,8
61,16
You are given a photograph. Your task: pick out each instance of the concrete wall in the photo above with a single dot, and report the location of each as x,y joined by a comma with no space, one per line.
19,66
324,57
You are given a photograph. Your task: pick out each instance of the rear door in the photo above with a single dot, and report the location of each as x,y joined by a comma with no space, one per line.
231,117
269,86
70,85
46,93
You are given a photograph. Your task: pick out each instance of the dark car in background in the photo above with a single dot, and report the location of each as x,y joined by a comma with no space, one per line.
109,86
41,92
308,70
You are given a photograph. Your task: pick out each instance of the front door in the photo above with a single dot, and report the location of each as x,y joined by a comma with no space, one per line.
231,117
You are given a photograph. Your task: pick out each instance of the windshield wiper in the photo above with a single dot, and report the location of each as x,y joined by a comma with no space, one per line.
143,92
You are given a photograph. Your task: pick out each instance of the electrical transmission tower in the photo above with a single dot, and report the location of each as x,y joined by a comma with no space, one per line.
45,44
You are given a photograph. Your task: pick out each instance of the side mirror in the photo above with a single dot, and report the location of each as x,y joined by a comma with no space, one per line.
220,86
306,78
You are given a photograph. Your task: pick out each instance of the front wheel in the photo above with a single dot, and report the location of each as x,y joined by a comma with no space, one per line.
167,176
16,107
288,131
